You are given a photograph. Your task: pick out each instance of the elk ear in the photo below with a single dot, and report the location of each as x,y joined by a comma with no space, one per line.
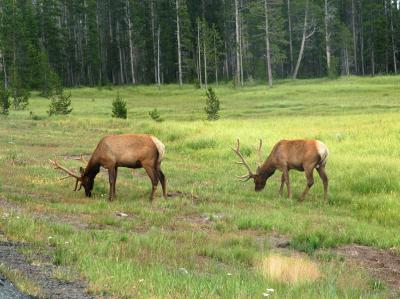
81,170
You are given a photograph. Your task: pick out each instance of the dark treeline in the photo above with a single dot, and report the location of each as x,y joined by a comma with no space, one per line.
45,43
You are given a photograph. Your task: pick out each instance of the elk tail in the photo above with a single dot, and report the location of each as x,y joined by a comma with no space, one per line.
160,148
323,153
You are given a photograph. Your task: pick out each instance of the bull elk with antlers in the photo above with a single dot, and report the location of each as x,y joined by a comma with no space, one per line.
126,150
302,155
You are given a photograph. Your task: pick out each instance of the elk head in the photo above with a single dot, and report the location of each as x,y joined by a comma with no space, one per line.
259,178
81,179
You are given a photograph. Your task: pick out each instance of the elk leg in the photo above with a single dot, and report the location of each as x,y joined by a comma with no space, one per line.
286,177
111,179
162,179
324,178
115,180
282,184
151,172
310,182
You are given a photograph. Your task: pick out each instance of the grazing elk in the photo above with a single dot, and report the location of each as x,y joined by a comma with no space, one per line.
126,150
302,155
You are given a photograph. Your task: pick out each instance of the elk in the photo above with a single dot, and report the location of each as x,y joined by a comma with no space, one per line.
125,150
301,155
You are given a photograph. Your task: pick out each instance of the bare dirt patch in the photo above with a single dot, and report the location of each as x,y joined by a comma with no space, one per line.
381,264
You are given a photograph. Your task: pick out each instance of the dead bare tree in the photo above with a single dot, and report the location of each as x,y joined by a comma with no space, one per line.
178,36
267,44
308,31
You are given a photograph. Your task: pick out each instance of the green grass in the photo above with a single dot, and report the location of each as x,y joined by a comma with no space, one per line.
167,249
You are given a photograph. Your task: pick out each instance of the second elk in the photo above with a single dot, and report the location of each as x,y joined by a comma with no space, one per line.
302,155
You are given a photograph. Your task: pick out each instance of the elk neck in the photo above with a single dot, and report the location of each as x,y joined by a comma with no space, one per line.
267,169
92,169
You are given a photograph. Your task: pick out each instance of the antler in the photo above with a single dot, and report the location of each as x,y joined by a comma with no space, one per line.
248,176
82,159
70,173
259,153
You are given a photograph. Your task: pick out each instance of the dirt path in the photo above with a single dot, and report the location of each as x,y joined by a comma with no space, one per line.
384,265
41,274
8,290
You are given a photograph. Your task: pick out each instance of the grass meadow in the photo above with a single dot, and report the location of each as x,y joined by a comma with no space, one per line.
212,240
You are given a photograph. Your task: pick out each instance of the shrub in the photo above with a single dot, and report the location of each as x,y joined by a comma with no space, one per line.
4,101
20,99
34,116
119,108
212,105
60,104
155,115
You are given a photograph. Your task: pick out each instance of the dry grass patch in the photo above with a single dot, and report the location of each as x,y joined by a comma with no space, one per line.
295,269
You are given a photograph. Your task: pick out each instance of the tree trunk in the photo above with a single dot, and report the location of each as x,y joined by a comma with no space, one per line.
178,35
215,58
290,37
5,73
347,65
199,54
14,68
393,41
268,50
362,40
100,45
237,78
241,50
205,55
353,20
303,42
327,38
158,57
131,58
226,61
121,74
153,34
373,60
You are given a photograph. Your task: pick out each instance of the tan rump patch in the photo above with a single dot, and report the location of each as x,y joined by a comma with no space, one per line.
290,269
160,147
322,151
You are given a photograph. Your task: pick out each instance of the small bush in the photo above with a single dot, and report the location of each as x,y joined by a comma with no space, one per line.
212,105
4,101
60,104
119,108
20,99
34,116
155,115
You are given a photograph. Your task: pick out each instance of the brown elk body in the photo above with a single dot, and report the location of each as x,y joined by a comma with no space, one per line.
301,155
126,150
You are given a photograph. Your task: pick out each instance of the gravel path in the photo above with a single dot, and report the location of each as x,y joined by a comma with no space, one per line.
41,274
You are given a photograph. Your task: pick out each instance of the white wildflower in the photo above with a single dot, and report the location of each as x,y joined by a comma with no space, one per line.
183,270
